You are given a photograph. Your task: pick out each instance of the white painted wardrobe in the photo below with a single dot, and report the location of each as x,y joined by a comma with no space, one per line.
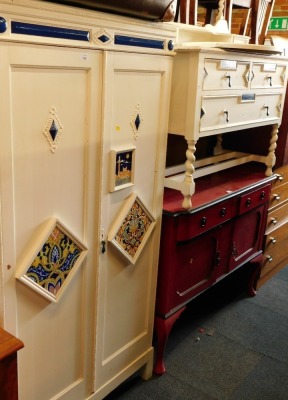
80,90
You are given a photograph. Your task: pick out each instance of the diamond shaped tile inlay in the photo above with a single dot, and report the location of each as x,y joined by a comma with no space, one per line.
136,121
53,129
102,37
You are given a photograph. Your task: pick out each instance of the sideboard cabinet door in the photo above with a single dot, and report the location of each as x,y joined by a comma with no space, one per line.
50,170
248,236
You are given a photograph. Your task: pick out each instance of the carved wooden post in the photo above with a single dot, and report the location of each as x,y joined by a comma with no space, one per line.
188,185
220,14
271,158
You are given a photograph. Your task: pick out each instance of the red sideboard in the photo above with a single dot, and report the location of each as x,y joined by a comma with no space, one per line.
199,247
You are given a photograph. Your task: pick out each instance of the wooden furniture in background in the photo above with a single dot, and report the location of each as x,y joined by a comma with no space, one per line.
255,16
9,345
188,10
276,235
255,21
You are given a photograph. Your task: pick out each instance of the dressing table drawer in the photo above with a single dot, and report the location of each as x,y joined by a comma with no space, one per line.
225,74
219,111
267,75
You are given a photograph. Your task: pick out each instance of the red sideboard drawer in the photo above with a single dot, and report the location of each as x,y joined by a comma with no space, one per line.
193,225
254,199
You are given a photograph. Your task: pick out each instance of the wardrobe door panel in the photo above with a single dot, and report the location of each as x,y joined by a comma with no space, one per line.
135,115
51,152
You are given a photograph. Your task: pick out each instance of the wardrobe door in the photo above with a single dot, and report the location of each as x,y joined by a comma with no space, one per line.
135,128
50,171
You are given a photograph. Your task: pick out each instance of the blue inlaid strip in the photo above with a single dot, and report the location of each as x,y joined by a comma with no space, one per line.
139,42
3,25
48,31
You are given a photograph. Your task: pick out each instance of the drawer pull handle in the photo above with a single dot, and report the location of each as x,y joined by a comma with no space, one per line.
227,115
274,220
267,110
203,221
279,177
273,240
248,202
269,258
218,259
234,250
269,78
227,76
262,195
276,197
223,212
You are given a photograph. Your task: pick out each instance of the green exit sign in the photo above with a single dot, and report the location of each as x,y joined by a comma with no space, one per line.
278,24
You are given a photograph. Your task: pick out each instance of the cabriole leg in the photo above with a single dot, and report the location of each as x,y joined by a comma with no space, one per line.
163,328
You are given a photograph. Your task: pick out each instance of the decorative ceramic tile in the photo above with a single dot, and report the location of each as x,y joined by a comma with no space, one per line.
102,37
53,129
137,121
132,228
122,168
54,262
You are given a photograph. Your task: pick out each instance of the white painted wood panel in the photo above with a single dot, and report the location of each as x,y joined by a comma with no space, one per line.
37,184
134,84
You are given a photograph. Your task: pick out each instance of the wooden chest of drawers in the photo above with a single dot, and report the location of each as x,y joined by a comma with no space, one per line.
276,234
224,231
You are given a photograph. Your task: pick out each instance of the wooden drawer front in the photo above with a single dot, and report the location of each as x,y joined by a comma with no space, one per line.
253,199
264,277
278,195
220,112
281,176
277,216
275,256
192,225
267,75
276,237
225,74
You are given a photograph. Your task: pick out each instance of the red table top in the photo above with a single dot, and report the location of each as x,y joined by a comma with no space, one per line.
216,186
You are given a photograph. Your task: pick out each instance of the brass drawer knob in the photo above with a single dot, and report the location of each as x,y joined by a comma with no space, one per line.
276,197
203,221
279,177
274,220
223,212
269,258
272,239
